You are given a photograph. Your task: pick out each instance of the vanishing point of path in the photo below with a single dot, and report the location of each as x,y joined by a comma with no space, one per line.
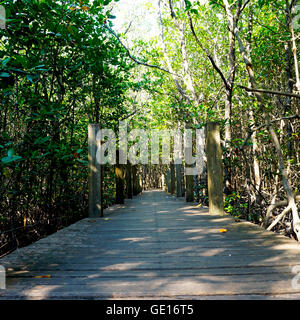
155,247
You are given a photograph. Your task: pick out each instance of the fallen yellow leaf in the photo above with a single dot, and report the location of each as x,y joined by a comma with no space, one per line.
46,276
223,230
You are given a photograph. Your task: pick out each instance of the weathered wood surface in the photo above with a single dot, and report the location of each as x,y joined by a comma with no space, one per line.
156,246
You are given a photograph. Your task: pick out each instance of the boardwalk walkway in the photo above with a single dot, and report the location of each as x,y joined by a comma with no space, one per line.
156,246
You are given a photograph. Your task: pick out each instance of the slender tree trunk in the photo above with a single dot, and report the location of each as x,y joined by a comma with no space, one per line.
167,59
256,170
294,47
289,78
188,79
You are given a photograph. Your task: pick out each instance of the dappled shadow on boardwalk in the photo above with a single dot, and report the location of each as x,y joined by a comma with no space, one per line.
155,246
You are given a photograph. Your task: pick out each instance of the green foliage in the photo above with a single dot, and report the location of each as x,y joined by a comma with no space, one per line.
234,206
60,70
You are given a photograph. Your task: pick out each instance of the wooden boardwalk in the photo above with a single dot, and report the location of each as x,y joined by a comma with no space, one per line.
155,247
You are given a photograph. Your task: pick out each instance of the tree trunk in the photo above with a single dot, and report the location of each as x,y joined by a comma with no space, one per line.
294,47
289,79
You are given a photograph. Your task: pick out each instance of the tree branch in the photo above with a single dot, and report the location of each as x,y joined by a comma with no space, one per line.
279,93
174,76
251,131
244,6
129,115
128,28
132,57
274,206
171,9
218,4
279,217
211,59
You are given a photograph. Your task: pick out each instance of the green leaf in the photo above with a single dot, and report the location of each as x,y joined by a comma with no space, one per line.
4,75
4,62
41,140
82,161
10,152
30,77
41,156
66,156
188,4
6,160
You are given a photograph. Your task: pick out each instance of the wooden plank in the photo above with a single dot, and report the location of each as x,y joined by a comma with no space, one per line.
154,287
164,263
159,252
196,282
255,270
